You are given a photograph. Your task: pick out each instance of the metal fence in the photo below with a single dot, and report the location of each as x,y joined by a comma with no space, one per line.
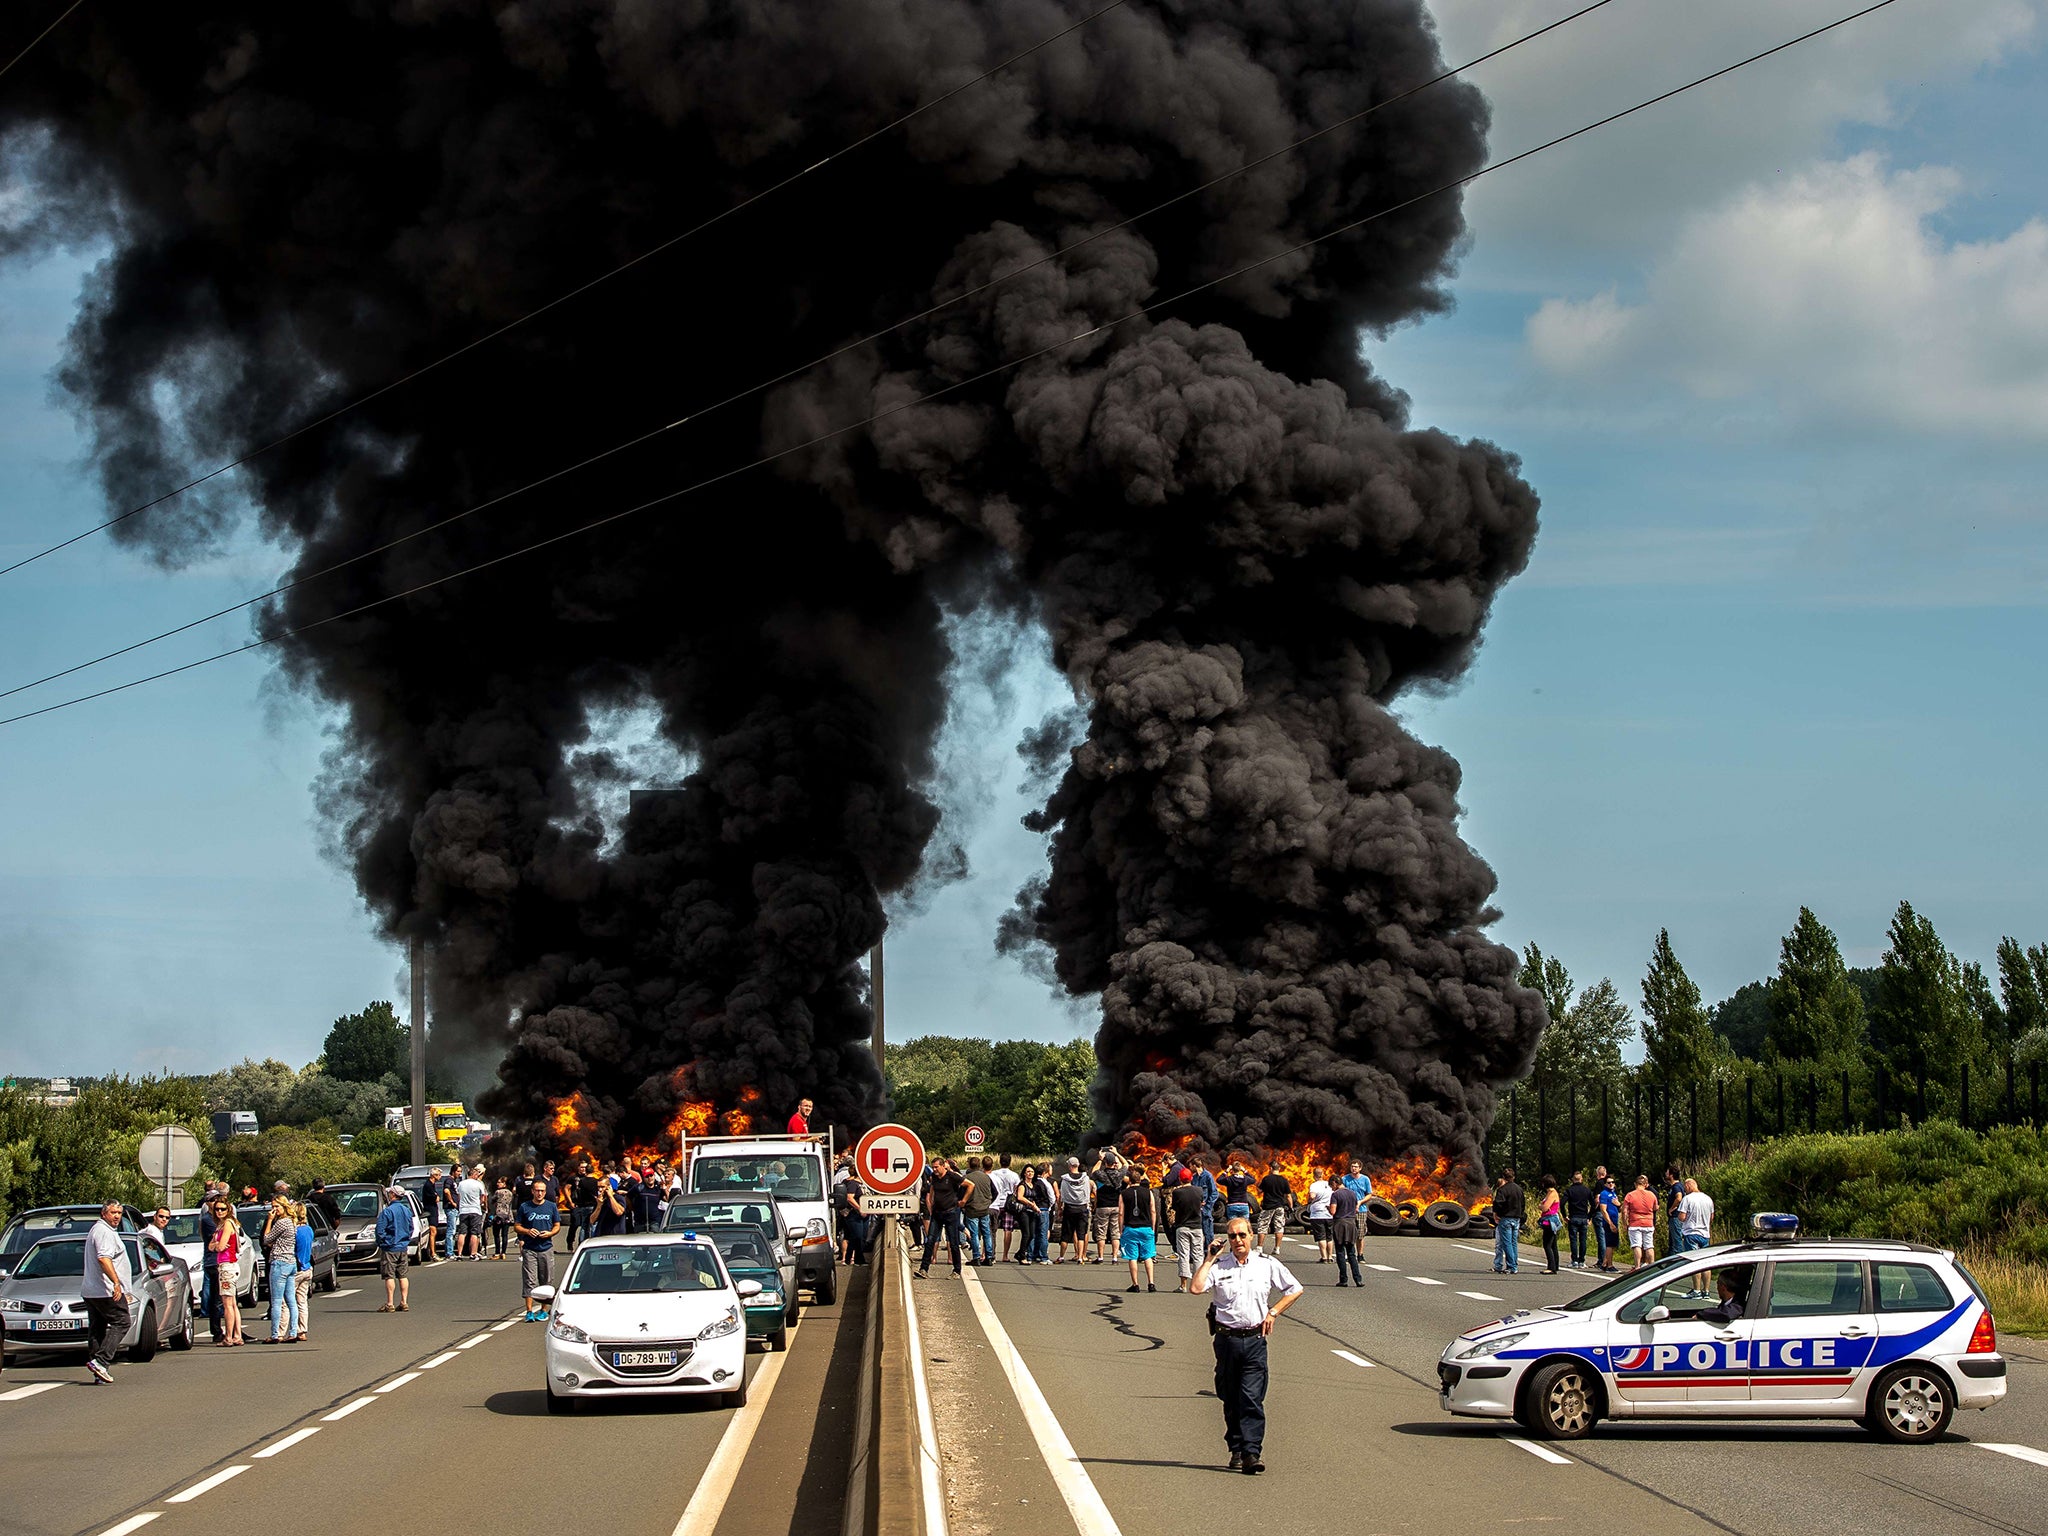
1643,1123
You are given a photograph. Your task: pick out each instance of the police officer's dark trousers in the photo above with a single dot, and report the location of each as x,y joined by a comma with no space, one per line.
1241,1384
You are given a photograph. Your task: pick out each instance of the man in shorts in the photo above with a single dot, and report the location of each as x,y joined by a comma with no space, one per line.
534,1223
469,1214
1138,1206
394,1243
1639,1210
1076,1189
1106,1221
1276,1199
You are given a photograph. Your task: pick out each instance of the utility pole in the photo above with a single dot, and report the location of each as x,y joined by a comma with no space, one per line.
875,980
416,960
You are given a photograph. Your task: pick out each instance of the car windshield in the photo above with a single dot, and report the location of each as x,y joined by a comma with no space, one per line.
742,1247
451,1122
691,1213
357,1202
792,1178
642,1268
1621,1285
184,1228
61,1257
24,1232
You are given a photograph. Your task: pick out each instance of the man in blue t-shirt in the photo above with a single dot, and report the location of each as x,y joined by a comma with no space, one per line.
1607,1223
535,1222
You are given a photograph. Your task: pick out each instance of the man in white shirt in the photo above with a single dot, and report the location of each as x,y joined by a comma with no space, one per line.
1000,1210
106,1290
1241,1317
469,1215
1695,1217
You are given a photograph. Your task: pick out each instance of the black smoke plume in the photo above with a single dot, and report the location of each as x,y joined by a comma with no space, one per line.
1241,550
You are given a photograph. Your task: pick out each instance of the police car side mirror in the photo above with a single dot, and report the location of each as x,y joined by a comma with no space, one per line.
1657,1315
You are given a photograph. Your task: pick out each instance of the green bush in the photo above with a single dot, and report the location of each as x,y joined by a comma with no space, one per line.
1935,1184
85,1151
381,1153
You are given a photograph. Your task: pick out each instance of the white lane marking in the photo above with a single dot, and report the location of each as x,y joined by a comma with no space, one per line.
441,1359
1477,1296
1345,1354
346,1409
288,1442
1424,1280
1385,1269
510,1322
2020,1452
206,1485
337,1295
707,1504
1539,1452
472,1343
29,1391
132,1523
398,1381
1091,1516
1470,1249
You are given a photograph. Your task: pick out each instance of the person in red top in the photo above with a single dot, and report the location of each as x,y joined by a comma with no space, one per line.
800,1122
1639,1210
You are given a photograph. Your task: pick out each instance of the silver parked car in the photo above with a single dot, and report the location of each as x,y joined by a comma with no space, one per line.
357,1231
42,1303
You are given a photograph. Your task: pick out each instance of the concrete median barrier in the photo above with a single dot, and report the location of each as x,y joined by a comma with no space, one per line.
893,1486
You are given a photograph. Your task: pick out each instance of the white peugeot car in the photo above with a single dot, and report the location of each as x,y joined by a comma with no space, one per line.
651,1314
1893,1335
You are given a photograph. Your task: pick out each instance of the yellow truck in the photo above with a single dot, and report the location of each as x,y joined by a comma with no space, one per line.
450,1122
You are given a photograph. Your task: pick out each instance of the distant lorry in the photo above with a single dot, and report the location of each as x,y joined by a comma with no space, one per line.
450,1122
230,1123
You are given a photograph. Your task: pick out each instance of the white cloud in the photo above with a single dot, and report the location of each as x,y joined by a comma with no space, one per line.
1624,187
1833,293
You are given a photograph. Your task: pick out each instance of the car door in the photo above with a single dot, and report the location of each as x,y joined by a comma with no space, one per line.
1683,1363
1815,1333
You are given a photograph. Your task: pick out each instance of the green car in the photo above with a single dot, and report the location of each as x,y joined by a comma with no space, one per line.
748,1255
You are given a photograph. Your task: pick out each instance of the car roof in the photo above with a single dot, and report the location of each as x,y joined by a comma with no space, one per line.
1822,1247
643,1240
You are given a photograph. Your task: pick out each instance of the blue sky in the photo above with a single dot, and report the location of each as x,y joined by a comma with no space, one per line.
1776,357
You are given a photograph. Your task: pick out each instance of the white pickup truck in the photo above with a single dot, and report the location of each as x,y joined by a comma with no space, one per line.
797,1171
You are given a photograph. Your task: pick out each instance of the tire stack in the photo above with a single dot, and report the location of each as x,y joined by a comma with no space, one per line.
1381,1218
1445,1218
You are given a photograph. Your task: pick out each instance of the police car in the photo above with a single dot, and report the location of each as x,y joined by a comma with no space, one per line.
1894,1335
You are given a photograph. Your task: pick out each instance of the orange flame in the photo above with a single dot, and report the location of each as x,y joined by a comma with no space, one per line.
1412,1184
571,1117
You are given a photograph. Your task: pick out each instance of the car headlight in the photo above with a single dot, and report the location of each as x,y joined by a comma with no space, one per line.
730,1323
1492,1346
567,1332
814,1230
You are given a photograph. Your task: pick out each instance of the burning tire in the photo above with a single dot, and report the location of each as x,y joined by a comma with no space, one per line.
1381,1219
1445,1218
1409,1210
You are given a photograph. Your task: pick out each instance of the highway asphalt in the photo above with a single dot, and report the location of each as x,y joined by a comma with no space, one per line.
1357,1442
440,1407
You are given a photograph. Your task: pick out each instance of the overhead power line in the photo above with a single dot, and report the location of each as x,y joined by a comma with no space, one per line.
359,401
1006,276
998,369
31,48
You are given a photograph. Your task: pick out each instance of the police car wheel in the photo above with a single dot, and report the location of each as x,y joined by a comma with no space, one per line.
1560,1402
1909,1405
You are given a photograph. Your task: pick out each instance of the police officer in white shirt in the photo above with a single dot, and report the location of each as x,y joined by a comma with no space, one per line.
1241,1316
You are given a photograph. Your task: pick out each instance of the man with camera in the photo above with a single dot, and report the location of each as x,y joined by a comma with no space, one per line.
1241,1316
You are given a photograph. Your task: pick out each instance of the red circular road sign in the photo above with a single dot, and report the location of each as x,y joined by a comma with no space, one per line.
974,1137
889,1159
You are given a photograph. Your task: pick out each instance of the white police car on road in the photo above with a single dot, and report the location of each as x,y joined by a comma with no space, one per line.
1894,1335
650,1314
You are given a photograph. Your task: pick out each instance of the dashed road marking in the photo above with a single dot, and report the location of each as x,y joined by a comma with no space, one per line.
132,1523
1478,1296
1385,1269
1424,1280
1470,1249
510,1322
337,1295
472,1343
288,1442
208,1484
2018,1452
440,1359
29,1391
398,1381
346,1409
1345,1354
1539,1452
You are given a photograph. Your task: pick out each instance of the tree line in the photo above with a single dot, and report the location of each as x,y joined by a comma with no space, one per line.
1025,1095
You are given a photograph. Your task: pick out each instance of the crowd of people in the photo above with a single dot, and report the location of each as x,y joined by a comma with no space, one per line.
1595,1218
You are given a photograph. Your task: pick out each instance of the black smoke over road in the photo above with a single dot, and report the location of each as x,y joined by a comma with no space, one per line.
1241,550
